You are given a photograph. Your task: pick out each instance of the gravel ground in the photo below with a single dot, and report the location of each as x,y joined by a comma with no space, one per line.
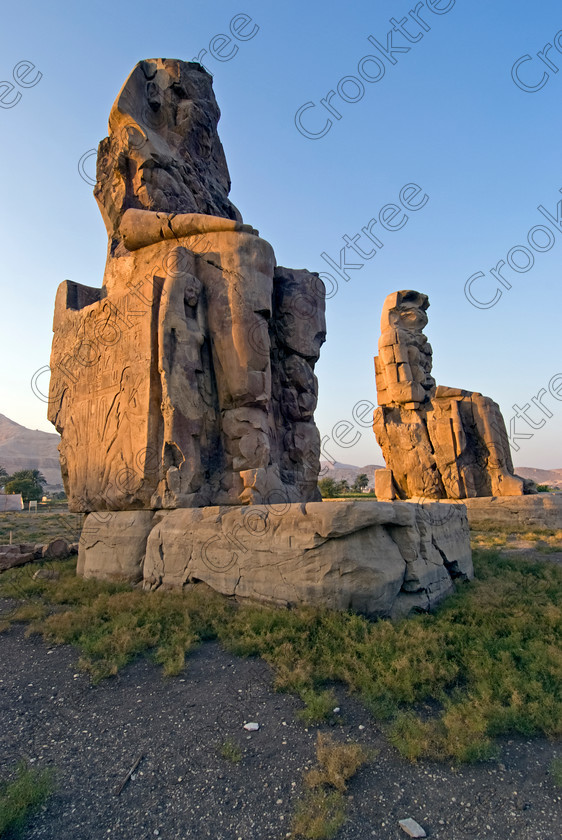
183,788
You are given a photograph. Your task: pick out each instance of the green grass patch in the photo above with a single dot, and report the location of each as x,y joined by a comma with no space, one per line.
20,796
368,496
230,751
555,770
319,814
489,661
492,535
109,622
319,705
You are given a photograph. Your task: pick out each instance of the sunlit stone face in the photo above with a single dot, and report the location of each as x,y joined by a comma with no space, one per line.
408,317
406,310
163,152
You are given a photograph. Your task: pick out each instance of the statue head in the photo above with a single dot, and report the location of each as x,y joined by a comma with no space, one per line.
163,152
405,310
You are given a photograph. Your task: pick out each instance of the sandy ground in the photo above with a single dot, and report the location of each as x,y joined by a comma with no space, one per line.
183,788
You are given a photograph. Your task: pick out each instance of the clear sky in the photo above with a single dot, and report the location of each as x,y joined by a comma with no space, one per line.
436,106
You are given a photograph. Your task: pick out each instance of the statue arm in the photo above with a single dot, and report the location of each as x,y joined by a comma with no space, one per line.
145,227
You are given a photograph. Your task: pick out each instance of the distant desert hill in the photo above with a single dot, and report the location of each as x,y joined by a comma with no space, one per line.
349,472
552,477
23,449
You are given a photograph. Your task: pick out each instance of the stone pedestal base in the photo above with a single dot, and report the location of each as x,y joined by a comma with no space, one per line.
378,558
543,510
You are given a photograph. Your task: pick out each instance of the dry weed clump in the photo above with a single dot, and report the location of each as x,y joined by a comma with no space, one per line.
321,812
338,762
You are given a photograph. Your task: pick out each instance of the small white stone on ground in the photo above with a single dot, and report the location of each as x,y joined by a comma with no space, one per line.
412,828
252,726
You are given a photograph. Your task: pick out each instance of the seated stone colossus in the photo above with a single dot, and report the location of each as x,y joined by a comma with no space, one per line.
438,442
188,378
184,391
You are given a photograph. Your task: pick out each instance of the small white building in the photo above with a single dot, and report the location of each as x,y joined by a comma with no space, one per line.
10,502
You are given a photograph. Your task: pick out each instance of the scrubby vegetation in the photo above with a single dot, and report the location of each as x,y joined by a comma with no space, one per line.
319,815
22,793
488,662
543,540
321,812
230,751
330,488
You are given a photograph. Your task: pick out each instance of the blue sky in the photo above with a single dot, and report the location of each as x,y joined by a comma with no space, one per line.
446,115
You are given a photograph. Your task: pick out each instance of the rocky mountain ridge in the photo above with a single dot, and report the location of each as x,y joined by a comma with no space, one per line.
22,449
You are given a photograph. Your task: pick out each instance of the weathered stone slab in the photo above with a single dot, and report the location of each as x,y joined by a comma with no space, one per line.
15,555
112,545
543,510
56,549
22,553
378,558
384,485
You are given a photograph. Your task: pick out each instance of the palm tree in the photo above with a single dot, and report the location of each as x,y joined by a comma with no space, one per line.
360,482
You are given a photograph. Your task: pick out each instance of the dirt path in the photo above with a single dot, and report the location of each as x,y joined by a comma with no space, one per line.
184,789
